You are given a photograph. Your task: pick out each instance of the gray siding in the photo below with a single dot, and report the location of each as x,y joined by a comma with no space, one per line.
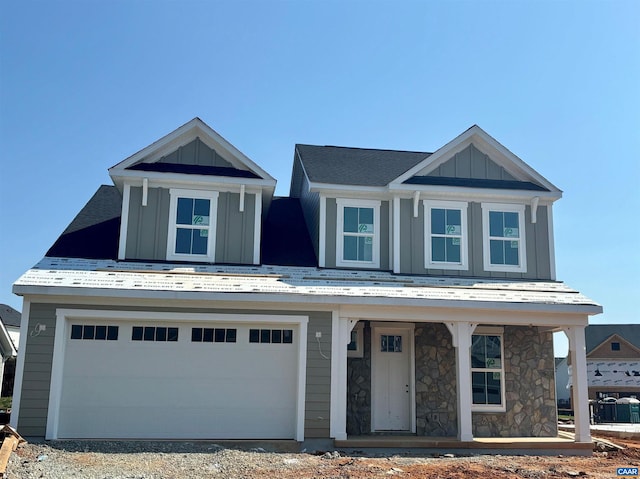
235,230
471,163
195,153
310,204
34,403
148,225
412,243
331,231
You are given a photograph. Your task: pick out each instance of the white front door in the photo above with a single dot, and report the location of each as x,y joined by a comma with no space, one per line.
392,384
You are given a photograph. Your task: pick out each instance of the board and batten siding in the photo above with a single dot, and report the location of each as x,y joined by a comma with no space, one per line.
195,153
148,227
310,204
331,232
36,383
412,245
471,163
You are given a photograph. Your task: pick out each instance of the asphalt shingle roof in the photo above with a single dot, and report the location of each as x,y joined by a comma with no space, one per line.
595,334
9,316
340,165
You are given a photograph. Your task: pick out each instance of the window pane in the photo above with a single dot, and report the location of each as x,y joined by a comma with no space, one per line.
384,343
511,220
207,336
149,333
493,388
201,212
479,388
231,335
454,222
185,211
511,252
136,333
493,351
172,334
76,331
496,223
350,249
365,248
287,336
101,332
437,221
254,335
219,335
88,332
265,335
276,336
496,250
161,334
453,250
196,335
397,344
350,220
438,249
112,333
365,222
200,239
183,241
478,351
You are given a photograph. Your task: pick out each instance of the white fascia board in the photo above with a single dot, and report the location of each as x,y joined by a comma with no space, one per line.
305,299
352,190
185,134
167,180
488,145
473,194
8,349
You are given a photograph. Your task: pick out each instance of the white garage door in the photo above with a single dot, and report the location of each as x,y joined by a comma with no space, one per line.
166,380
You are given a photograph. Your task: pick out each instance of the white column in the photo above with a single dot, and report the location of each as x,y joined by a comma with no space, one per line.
396,234
579,382
341,337
461,336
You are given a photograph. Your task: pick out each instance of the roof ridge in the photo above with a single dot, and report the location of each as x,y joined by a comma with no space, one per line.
365,149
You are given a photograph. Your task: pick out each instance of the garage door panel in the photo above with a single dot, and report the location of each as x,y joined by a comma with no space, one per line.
180,389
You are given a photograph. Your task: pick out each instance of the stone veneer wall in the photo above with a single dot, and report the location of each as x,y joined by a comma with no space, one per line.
436,405
530,388
529,379
359,389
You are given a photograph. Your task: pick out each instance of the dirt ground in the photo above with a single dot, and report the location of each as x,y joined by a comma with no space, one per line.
27,462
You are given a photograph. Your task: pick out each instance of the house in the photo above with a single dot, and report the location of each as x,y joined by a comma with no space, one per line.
392,293
563,391
613,360
9,335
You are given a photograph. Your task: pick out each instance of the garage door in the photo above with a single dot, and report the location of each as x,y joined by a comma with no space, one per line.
124,379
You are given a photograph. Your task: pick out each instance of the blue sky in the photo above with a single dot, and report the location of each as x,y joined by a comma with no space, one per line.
85,84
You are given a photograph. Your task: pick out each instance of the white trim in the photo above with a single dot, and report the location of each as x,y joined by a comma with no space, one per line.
124,222
552,244
257,228
174,194
241,206
492,331
390,266
341,204
396,234
416,203
579,390
392,327
464,234
322,232
335,415
22,351
64,315
145,191
472,194
534,209
358,328
521,267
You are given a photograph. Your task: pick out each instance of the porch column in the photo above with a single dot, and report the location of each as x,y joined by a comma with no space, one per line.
579,382
341,337
461,337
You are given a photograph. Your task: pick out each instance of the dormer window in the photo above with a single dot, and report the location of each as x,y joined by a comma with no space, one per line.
358,233
192,220
446,235
615,346
503,238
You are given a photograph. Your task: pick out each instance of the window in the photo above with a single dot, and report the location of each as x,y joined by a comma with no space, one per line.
358,233
390,343
487,370
355,348
213,335
445,235
615,346
154,333
280,336
192,220
99,333
504,246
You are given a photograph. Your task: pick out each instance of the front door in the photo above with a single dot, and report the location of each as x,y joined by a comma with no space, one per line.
392,386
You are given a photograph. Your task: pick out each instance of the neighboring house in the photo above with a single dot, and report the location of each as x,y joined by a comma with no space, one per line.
613,360
9,336
563,391
392,292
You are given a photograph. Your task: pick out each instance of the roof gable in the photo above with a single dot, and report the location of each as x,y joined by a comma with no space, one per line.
9,316
192,149
604,350
494,162
597,334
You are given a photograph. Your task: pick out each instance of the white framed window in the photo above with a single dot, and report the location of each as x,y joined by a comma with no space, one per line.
445,232
487,370
192,225
503,246
358,233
